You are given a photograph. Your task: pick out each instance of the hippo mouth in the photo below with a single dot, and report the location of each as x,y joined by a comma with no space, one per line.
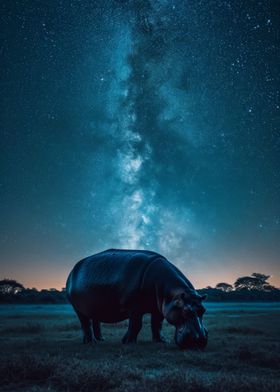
187,338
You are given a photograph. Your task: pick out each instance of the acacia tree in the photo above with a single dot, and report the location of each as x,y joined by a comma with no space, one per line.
256,281
262,277
10,287
224,287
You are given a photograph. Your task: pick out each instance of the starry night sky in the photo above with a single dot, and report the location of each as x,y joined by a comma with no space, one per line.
140,124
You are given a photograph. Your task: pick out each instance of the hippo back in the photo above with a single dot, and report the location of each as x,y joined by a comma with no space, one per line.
108,282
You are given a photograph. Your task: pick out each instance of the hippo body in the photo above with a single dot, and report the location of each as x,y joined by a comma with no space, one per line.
116,285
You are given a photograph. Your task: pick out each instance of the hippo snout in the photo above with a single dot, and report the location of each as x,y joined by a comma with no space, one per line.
185,338
198,343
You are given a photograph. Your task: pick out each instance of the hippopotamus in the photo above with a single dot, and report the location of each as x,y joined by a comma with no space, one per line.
119,284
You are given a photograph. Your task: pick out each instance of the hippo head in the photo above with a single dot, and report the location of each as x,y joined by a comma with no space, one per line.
185,312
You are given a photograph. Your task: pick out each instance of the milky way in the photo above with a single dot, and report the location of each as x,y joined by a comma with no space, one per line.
140,124
148,131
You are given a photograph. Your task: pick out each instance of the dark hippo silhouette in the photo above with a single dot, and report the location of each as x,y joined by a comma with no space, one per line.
115,285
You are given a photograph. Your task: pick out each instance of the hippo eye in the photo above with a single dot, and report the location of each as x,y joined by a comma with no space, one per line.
188,312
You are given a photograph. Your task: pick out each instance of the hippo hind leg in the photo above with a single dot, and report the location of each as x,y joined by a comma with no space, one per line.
97,330
86,328
156,324
134,327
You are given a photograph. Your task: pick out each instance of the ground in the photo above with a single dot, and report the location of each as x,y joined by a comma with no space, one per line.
42,350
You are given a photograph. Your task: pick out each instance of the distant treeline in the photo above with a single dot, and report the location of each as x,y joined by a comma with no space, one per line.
246,288
216,295
33,296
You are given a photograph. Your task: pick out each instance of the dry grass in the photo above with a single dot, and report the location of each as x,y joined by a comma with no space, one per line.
242,355
243,330
29,328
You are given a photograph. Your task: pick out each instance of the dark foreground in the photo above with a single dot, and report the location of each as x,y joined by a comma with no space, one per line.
41,350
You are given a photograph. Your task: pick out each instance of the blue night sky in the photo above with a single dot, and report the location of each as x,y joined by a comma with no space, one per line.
140,124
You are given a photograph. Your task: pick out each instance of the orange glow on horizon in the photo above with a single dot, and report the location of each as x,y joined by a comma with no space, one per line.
57,279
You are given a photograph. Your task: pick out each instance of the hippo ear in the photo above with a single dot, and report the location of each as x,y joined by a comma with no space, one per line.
196,295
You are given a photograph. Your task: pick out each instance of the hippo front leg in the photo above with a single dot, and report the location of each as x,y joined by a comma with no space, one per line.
156,324
134,327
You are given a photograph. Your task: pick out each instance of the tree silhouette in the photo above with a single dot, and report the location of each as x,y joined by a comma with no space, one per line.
10,287
256,281
224,286
262,277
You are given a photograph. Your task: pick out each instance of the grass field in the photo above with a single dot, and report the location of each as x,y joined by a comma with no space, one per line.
41,350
